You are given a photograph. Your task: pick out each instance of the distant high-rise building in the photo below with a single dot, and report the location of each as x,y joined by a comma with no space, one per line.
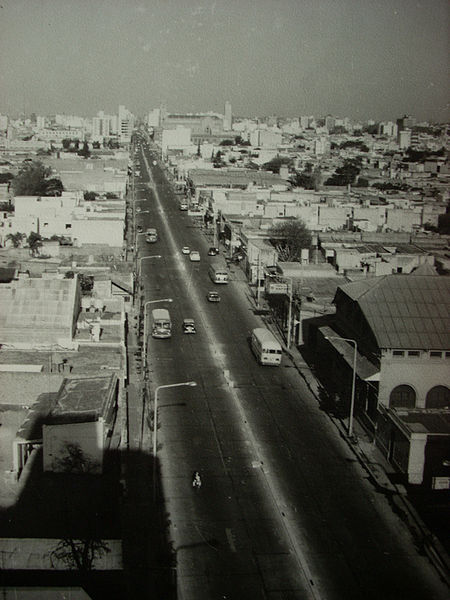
154,118
330,122
125,124
40,122
406,122
101,125
389,129
3,122
404,139
228,118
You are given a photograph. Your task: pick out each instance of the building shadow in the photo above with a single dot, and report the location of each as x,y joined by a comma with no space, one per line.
69,518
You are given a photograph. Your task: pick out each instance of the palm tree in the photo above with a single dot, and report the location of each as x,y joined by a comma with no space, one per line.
16,238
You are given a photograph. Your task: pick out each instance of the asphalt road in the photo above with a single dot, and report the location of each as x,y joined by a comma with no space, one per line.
285,511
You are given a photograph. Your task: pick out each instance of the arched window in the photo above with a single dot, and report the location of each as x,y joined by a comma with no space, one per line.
403,396
438,397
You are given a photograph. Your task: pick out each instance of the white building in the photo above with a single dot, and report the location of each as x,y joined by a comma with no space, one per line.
176,139
125,124
228,118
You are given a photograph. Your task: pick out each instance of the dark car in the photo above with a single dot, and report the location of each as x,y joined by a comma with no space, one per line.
189,326
213,297
213,251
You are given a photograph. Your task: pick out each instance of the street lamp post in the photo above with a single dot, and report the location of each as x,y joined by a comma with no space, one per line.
289,313
352,401
144,258
155,423
144,344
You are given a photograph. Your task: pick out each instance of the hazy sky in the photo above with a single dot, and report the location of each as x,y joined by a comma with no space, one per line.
358,58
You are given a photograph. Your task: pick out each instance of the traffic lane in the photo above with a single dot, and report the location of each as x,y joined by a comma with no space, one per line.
229,494
265,430
325,482
328,501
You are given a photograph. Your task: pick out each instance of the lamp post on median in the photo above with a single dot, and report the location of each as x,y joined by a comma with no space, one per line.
155,423
144,343
352,401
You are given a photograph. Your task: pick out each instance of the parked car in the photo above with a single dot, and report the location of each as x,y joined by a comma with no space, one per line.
140,229
213,297
194,256
213,251
189,326
185,250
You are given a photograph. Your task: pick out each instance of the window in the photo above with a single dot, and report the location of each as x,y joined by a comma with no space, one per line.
68,226
435,354
438,397
398,353
403,396
413,353
447,355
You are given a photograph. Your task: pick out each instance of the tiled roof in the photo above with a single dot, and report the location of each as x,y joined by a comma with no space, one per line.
405,311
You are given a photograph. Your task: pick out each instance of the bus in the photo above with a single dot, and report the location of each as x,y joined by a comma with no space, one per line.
218,271
161,323
266,347
151,235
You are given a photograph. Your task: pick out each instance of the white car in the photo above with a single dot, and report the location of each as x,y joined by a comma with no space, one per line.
185,250
194,256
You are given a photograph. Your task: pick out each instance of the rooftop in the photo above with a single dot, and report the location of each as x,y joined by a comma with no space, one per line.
405,311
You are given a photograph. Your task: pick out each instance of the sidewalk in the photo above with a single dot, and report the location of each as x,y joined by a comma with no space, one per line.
381,473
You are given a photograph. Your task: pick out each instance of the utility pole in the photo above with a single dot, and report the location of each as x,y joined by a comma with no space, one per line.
258,279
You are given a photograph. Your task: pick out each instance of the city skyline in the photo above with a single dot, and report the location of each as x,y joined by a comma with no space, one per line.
343,58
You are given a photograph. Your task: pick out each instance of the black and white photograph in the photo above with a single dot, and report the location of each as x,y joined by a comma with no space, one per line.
224,300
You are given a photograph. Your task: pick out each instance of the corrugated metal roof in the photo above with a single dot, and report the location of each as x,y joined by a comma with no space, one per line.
405,311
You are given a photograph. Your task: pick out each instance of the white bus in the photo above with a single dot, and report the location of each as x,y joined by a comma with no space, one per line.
218,272
266,347
161,323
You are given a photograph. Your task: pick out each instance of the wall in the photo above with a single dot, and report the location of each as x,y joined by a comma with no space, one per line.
420,373
98,231
87,436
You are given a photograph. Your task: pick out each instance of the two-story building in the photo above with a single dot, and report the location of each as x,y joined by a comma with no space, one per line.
393,334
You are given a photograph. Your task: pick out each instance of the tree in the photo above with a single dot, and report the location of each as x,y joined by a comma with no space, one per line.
85,152
275,164
34,241
81,553
90,196
30,181
66,142
226,143
34,179
290,238
54,187
16,239
346,174
6,177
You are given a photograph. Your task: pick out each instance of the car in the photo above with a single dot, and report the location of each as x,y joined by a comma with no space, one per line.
140,229
189,326
213,251
213,297
138,209
185,250
194,256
